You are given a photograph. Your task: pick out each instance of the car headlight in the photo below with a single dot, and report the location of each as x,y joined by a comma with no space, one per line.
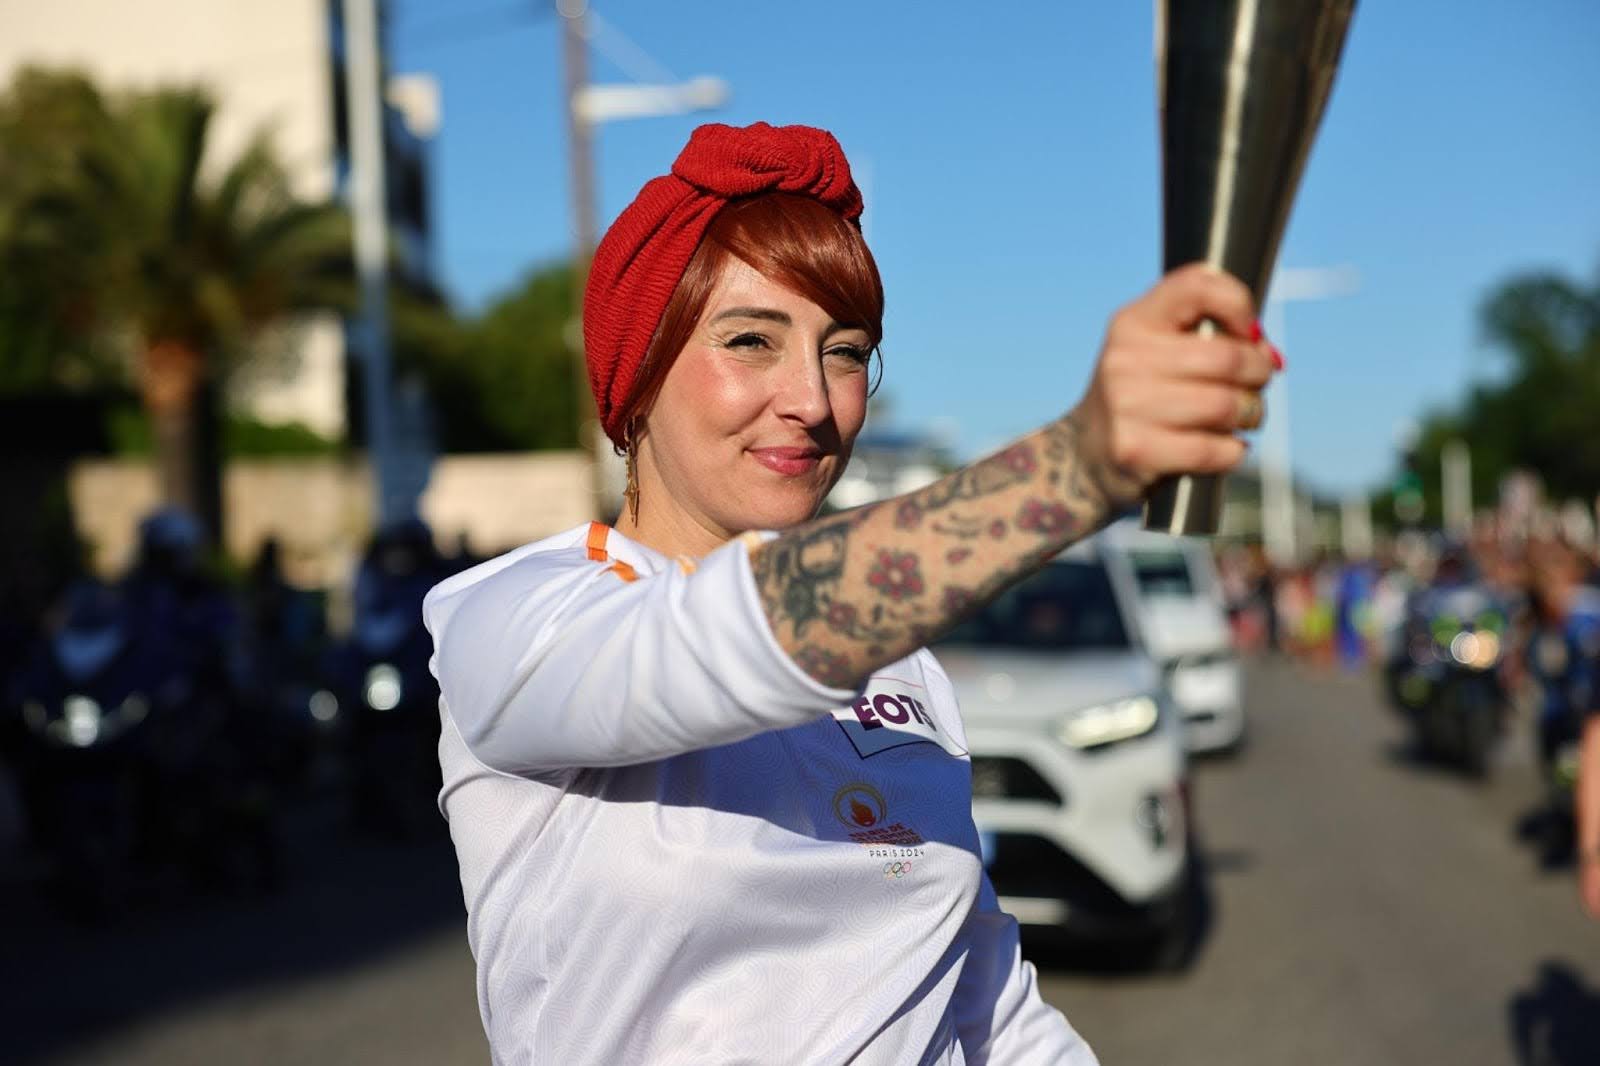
1478,650
383,687
324,705
1109,722
81,716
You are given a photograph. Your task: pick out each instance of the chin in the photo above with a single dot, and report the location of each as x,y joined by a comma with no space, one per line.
782,510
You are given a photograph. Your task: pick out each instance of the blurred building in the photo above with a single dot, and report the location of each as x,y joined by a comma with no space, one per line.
277,64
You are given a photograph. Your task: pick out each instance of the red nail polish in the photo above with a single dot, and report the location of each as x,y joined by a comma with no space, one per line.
1255,330
1277,358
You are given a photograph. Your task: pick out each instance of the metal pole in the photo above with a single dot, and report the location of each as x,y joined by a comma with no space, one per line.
1356,527
1277,477
362,73
1456,484
580,150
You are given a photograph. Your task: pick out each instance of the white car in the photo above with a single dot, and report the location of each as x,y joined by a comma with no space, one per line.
1170,587
1078,767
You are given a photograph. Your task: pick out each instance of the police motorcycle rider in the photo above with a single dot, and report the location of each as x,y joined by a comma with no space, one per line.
1444,673
387,696
128,706
1563,659
216,808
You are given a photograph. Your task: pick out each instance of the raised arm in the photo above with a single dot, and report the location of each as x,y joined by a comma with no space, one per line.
852,592
571,665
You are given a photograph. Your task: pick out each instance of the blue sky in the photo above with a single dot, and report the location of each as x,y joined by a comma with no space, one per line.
1009,158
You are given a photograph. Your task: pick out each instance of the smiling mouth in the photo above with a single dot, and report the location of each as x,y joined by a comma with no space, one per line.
790,462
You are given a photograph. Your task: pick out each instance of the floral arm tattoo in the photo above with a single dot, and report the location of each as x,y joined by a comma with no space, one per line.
854,591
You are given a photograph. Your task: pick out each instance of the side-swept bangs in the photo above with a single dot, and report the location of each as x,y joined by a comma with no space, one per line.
790,239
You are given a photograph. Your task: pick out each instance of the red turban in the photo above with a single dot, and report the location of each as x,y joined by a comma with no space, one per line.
645,252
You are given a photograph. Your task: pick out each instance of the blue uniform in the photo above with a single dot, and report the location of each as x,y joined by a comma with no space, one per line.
1565,659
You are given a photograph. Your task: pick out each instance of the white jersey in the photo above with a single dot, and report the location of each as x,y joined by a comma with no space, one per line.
677,847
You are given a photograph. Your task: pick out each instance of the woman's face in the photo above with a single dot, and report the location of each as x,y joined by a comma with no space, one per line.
756,418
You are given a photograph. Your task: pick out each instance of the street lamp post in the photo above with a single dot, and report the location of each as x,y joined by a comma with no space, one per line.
589,105
1277,477
369,215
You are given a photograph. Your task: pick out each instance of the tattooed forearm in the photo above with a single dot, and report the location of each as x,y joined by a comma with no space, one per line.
851,592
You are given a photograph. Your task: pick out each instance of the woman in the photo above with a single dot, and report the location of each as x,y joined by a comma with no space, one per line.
709,792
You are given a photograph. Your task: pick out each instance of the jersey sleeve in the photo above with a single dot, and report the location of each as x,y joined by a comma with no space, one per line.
1000,1017
556,663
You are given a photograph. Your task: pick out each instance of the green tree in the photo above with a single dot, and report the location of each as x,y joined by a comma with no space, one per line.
503,382
47,119
1543,413
173,262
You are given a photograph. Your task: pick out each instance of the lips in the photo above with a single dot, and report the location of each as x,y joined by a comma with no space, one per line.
791,462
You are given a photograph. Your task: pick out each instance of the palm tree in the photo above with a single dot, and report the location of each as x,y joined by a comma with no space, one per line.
183,265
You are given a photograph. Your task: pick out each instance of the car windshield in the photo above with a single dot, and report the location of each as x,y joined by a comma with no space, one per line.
1162,573
1067,605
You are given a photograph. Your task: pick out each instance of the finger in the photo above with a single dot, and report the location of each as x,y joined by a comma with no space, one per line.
1171,452
1191,294
1218,359
1190,405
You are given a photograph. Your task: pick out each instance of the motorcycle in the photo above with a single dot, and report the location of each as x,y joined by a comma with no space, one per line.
386,691
1445,676
89,698
133,758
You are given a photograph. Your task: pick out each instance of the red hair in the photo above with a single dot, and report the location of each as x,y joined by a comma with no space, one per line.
790,239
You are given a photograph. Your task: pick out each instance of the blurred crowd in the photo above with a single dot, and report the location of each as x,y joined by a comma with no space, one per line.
165,723
1475,637
1350,612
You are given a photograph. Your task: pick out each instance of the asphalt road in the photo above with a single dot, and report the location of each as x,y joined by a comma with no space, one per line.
1363,910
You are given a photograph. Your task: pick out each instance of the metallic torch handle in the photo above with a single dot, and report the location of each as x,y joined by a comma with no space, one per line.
1242,84
1186,505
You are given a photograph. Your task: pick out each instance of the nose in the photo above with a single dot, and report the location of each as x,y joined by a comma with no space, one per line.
803,396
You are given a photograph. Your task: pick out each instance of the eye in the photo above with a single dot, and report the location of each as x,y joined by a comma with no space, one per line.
852,352
749,341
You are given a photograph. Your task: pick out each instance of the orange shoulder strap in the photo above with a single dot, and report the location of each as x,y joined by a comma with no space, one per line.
598,532
596,545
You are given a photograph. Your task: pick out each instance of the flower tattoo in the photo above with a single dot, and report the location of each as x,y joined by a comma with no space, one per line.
1018,459
896,575
1038,516
908,515
823,665
958,600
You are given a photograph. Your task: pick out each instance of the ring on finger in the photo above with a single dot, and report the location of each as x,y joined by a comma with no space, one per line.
1251,410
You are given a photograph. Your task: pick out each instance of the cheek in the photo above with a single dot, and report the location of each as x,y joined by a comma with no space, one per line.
848,398
711,397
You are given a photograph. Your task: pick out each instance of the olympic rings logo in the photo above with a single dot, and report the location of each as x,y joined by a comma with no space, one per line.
893,871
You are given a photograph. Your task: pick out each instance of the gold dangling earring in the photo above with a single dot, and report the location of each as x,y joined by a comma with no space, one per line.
630,494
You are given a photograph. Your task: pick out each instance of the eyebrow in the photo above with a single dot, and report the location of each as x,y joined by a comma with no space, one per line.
769,314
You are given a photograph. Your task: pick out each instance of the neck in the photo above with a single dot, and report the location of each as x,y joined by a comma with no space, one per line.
669,531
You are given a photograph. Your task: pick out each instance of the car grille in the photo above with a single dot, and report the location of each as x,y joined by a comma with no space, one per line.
1026,865
1000,777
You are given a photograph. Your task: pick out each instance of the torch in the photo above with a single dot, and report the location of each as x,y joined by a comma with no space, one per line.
1242,85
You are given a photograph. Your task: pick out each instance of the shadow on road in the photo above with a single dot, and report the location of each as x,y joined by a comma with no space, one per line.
1550,834
349,901
1554,1023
